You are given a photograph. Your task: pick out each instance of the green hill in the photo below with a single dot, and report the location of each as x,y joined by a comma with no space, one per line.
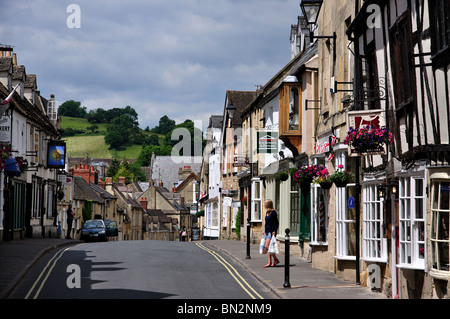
93,145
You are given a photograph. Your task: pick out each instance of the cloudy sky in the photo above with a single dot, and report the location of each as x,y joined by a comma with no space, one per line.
161,57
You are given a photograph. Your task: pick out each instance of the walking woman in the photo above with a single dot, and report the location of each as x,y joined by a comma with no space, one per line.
271,229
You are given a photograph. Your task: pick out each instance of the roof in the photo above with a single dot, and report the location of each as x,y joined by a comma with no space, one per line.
82,191
120,187
191,176
103,193
173,199
240,99
215,121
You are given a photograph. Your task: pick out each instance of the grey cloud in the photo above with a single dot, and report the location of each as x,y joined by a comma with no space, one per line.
160,57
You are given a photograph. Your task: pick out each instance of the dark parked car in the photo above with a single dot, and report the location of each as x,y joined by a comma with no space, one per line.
94,230
111,228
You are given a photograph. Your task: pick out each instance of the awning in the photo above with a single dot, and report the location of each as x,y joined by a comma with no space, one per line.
12,167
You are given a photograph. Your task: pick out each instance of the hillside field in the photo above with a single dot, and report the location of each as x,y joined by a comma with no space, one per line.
93,145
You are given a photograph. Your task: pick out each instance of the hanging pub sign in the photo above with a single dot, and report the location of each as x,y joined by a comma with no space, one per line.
56,154
267,142
361,124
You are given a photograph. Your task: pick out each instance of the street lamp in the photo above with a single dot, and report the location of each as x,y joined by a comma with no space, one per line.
231,109
311,10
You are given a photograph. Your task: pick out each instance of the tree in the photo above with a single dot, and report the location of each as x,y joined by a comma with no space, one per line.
113,168
72,108
115,139
165,125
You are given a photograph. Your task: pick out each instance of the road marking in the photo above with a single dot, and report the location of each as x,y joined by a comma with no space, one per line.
52,261
241,281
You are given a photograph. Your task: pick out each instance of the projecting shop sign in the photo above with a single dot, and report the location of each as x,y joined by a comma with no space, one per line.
5,129
267,142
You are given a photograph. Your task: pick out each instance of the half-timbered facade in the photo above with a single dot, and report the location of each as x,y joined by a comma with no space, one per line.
402,49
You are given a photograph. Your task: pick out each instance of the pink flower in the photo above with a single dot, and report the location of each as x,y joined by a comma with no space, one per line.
341,166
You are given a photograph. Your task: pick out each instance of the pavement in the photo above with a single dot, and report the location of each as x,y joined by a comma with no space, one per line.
303,281
17,257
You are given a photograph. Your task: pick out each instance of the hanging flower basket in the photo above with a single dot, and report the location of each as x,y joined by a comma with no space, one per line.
5,154
368,139
23,163
60,195
305,175
341,178
326,185
324,179
283,176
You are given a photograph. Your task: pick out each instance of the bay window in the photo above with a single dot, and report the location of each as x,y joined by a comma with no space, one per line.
440,211
412,201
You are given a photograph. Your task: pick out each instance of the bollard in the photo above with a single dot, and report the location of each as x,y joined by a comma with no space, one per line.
286,259
248,239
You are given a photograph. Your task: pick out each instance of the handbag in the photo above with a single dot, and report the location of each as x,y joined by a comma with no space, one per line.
273,246
262,247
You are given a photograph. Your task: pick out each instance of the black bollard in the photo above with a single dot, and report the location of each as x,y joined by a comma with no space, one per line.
286,259
248,239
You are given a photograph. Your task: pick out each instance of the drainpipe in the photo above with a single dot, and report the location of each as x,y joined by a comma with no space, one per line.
358,159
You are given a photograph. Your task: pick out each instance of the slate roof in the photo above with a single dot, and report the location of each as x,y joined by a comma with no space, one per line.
102,192
121,187
215,121
172,198
240,99
82,190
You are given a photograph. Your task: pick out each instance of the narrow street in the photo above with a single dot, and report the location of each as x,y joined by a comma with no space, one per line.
138,270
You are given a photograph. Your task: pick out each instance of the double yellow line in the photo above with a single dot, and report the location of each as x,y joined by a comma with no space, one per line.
233,272
50,265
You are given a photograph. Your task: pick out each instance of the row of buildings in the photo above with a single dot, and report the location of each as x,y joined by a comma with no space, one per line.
354,64
38,181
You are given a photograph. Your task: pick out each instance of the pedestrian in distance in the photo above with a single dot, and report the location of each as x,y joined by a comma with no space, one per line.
70,216
270,230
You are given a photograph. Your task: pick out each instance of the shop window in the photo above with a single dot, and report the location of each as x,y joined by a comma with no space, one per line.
37,194
412,216
295,209
374,247
215,216
256,201
320,202
440,210
345,217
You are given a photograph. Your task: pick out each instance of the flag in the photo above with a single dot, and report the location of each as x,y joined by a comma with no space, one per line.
6,101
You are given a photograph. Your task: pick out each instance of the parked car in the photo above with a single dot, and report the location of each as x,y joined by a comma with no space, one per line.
94,230
111,228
